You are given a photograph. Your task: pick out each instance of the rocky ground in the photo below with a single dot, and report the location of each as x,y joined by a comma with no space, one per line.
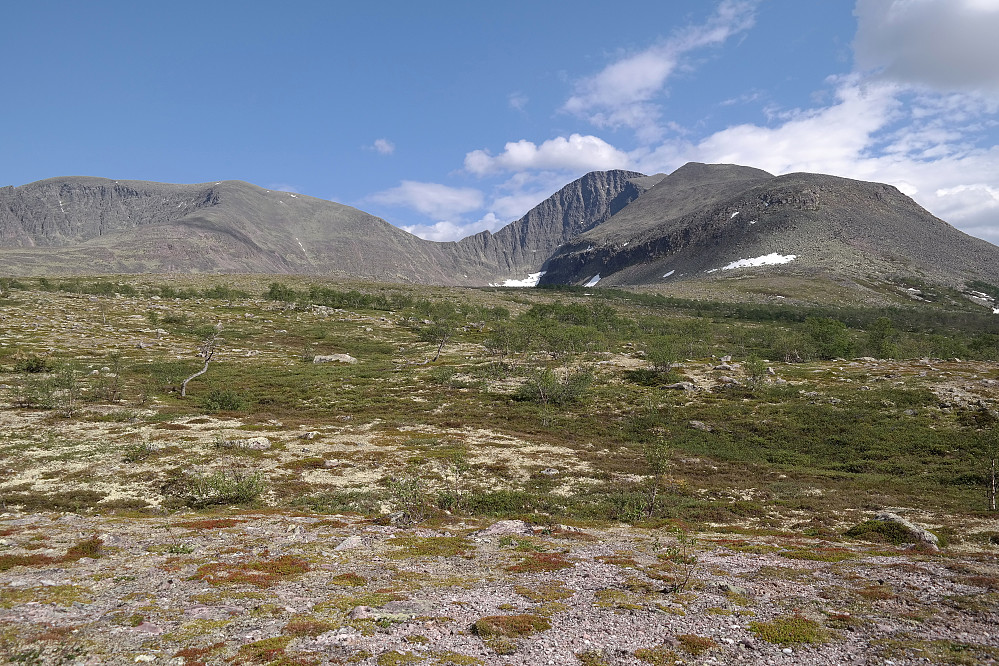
281,588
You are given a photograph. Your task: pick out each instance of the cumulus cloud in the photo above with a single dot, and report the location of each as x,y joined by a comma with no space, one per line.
623,93
575,153
432,199
943,44
872,131
383,146
830,139
918,112
518,100
451,231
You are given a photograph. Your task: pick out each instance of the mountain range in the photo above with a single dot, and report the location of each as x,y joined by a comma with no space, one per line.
618,228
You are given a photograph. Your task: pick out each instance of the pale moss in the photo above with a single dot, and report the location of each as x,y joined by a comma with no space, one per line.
59,595
616,599
448,658
189,631
396,658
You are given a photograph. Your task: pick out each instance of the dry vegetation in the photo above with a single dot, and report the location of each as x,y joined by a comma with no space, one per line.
708,490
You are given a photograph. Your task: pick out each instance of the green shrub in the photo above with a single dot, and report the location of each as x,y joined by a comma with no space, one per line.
32,364
830,336
223,400
280,292
549,388
222,488
880,531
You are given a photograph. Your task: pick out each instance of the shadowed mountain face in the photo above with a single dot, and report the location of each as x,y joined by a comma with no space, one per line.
524,246
705,221
630,229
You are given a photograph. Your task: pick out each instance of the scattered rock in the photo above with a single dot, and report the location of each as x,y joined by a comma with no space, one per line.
700,425
505,527
353,541
396,611
683,386
312,434
732,589
255,443
335,358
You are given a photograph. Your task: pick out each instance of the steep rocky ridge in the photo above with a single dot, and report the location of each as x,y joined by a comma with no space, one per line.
701,218
97,225
523,246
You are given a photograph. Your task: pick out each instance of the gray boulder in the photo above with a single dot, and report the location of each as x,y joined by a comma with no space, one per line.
335,358
923,535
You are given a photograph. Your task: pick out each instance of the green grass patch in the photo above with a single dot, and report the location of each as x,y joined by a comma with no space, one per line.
790,630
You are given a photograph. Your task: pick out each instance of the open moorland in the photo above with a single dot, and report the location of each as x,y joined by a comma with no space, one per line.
259,470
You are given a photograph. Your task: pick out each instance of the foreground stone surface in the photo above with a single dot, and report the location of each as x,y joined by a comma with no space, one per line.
283,588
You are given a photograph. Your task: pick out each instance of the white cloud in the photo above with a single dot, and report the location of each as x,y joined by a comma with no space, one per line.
513,206
383,146
827,140
623,93
869,133
518,100
943,44
575,153
452,231
919,112
284,187
523,191
432,199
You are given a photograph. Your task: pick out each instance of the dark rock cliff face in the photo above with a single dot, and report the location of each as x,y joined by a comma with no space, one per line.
523,247
64,211
697,221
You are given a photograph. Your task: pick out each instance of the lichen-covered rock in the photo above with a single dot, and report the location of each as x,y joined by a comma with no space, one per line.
335,358
506,527
921,534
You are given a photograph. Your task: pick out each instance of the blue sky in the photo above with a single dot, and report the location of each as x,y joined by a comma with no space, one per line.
446,118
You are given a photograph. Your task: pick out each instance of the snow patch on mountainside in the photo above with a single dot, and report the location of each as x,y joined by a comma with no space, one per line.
771,259
530,281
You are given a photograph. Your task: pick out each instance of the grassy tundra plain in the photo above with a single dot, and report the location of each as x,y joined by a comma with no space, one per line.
658,439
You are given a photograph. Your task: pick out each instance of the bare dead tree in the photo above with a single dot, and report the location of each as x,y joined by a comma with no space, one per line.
206,350
992,455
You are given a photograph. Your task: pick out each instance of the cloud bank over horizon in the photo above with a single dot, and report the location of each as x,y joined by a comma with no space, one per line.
916,109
